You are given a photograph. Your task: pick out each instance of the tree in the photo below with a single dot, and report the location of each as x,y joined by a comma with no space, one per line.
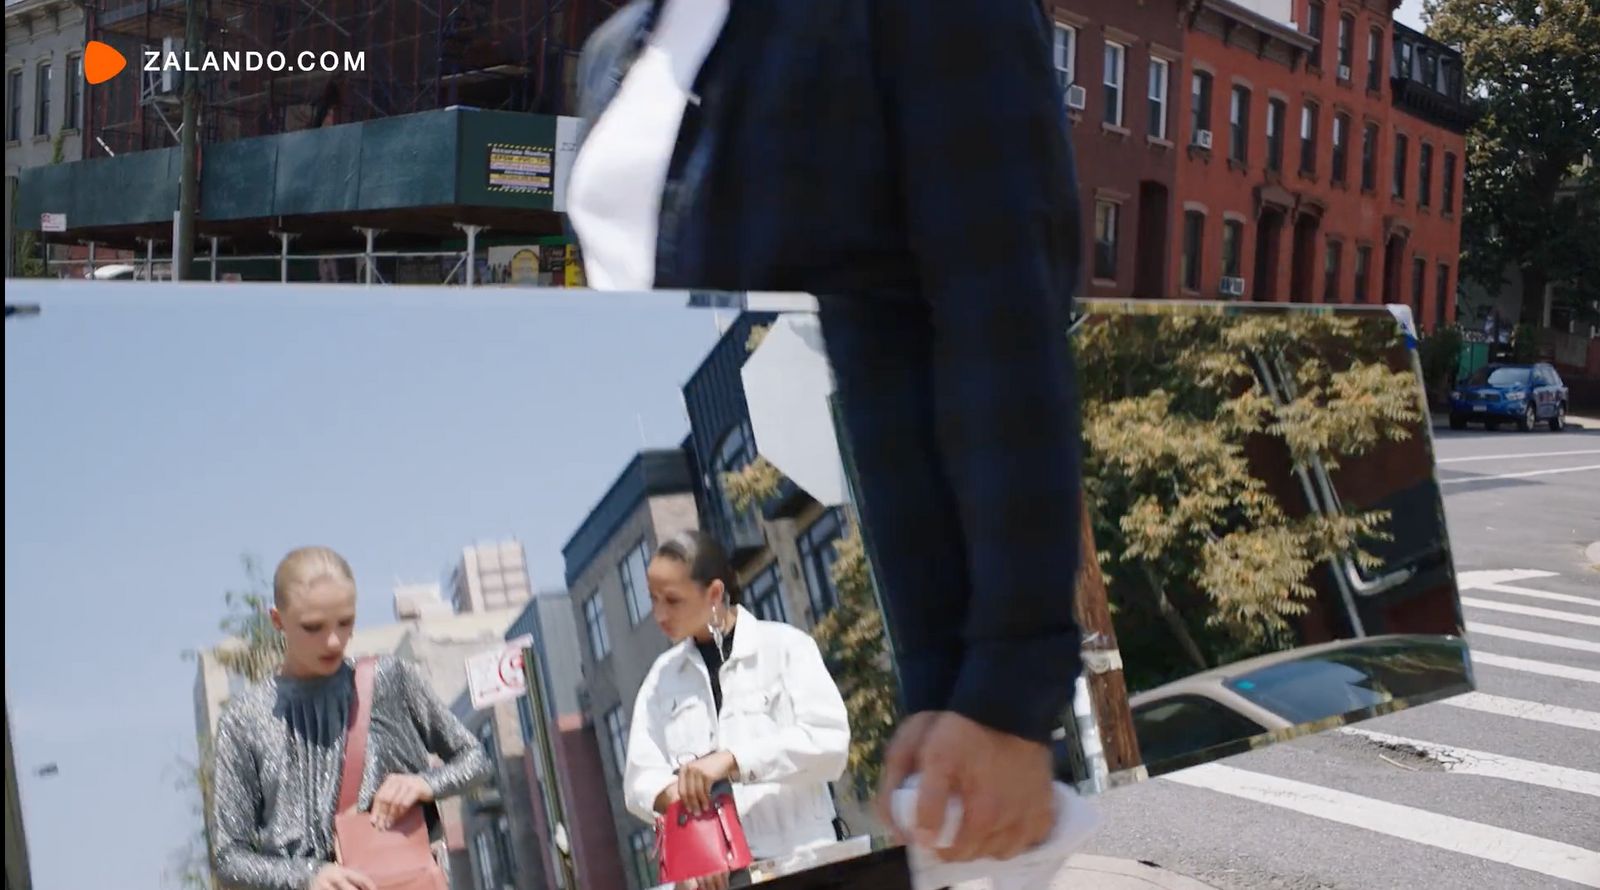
251,650
27,261
1203,564
1530,202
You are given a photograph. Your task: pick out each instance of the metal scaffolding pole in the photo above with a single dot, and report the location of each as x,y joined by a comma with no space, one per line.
472,248
366,257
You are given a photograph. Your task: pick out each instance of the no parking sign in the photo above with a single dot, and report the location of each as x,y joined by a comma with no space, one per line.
497,675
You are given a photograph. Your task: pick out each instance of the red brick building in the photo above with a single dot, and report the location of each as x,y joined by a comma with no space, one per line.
1321,158
1121,63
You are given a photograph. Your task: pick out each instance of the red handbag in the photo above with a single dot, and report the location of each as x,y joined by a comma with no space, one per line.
399,858
713,842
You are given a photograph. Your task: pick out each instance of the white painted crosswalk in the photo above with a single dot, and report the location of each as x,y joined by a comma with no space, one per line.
1533,633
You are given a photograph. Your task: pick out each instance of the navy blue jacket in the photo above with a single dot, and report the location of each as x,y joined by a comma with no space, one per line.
908,163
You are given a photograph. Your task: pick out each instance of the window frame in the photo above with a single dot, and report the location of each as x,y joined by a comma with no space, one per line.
1071,63
74,111
1159,106
1447,187
1402,160
594,621
1332,269
1369,157
1310,125
1277,113
1363,273
43,73
1191,272
1240,98
1232,266
1425,174
636,591
1201,86
1340,159
1115,91
816,549
617,737
14,104
1374,59
1346,48
1115,213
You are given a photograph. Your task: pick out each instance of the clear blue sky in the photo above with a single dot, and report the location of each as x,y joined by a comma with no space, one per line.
150,442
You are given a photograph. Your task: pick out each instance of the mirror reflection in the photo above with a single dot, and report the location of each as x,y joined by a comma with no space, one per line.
557,516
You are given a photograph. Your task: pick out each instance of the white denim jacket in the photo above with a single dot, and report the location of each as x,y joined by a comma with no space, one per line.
782,718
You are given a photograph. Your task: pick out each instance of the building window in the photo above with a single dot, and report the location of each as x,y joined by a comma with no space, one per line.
642,857
41,100
1330,272
1374,58
13,105
1314,28
1425,176
635,586
1442,301
617,736
74,93
1369,158
735,453
764,596
1401,143
1116,69
1347,36
817,556
525,719
594,620
1232,248
1239,124
1308,139
1341,146
1105,240
1419,281
1277,112
1449,184
1160,76
1200,103
1066,55
1363,270
1194,230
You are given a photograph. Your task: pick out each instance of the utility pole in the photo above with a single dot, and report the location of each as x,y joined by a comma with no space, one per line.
188,183
1102,659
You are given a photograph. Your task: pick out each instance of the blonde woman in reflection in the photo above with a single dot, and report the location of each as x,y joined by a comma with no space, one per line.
735,698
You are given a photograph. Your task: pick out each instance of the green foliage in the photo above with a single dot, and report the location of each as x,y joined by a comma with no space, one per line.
1526,343
750,485
1440,355
852,642
1529,203
27,261
1203,564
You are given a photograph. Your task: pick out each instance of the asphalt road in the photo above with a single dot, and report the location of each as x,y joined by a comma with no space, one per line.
1509,796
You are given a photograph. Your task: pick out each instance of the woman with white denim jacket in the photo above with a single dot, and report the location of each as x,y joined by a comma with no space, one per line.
735,698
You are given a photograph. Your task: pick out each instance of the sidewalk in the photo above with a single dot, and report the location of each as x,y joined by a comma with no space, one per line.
1085,872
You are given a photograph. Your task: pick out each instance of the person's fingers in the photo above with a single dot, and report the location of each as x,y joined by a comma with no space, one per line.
362,882
933,796
899,761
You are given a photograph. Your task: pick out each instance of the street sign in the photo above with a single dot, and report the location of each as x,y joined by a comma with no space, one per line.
497,675
52,222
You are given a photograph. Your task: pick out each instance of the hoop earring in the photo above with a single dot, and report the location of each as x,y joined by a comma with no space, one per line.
716,625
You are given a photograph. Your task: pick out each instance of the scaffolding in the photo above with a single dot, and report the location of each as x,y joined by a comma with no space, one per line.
418,55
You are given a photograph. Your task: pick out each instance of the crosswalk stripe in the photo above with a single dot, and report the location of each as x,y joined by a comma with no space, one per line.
1532,611
1495,766
1528,665
1590,601
1458,460
1572,718
1514,848
1529,636
1525,475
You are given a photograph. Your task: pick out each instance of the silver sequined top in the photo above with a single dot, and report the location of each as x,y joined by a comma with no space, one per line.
279,753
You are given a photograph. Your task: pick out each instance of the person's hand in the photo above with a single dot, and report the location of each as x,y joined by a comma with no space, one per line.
1005,785
337,877
397,794
696,778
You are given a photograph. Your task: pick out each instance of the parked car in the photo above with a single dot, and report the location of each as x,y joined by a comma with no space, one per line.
1524,394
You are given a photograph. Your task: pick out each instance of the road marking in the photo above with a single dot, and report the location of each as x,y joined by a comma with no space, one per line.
1519,475
1532,611
1528,636
1540,594
1480,577
1528,665
1494,766
1572,718
1525,851
1459,460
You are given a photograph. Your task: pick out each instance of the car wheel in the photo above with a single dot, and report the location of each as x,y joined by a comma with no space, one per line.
1529,418
1457,422
1558,421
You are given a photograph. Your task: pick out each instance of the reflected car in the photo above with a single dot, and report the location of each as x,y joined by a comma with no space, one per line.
1524,394
1282,690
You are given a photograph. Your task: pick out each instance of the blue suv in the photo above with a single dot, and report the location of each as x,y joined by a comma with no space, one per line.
1522,394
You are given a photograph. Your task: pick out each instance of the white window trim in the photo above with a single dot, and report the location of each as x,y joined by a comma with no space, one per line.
1165,83
1071,63
1122,81
1116,234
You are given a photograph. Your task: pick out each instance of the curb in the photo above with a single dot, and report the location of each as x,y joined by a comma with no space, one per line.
1574,421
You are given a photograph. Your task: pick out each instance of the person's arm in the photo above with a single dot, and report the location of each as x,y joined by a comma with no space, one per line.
236,800
465,762
991,213
817,747
648,771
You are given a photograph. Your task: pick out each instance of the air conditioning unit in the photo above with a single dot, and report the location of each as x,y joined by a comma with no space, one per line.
1232,287
1202,139
1077,96
171,78
1344,72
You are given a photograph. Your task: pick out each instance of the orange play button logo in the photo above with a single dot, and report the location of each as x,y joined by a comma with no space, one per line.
101,62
